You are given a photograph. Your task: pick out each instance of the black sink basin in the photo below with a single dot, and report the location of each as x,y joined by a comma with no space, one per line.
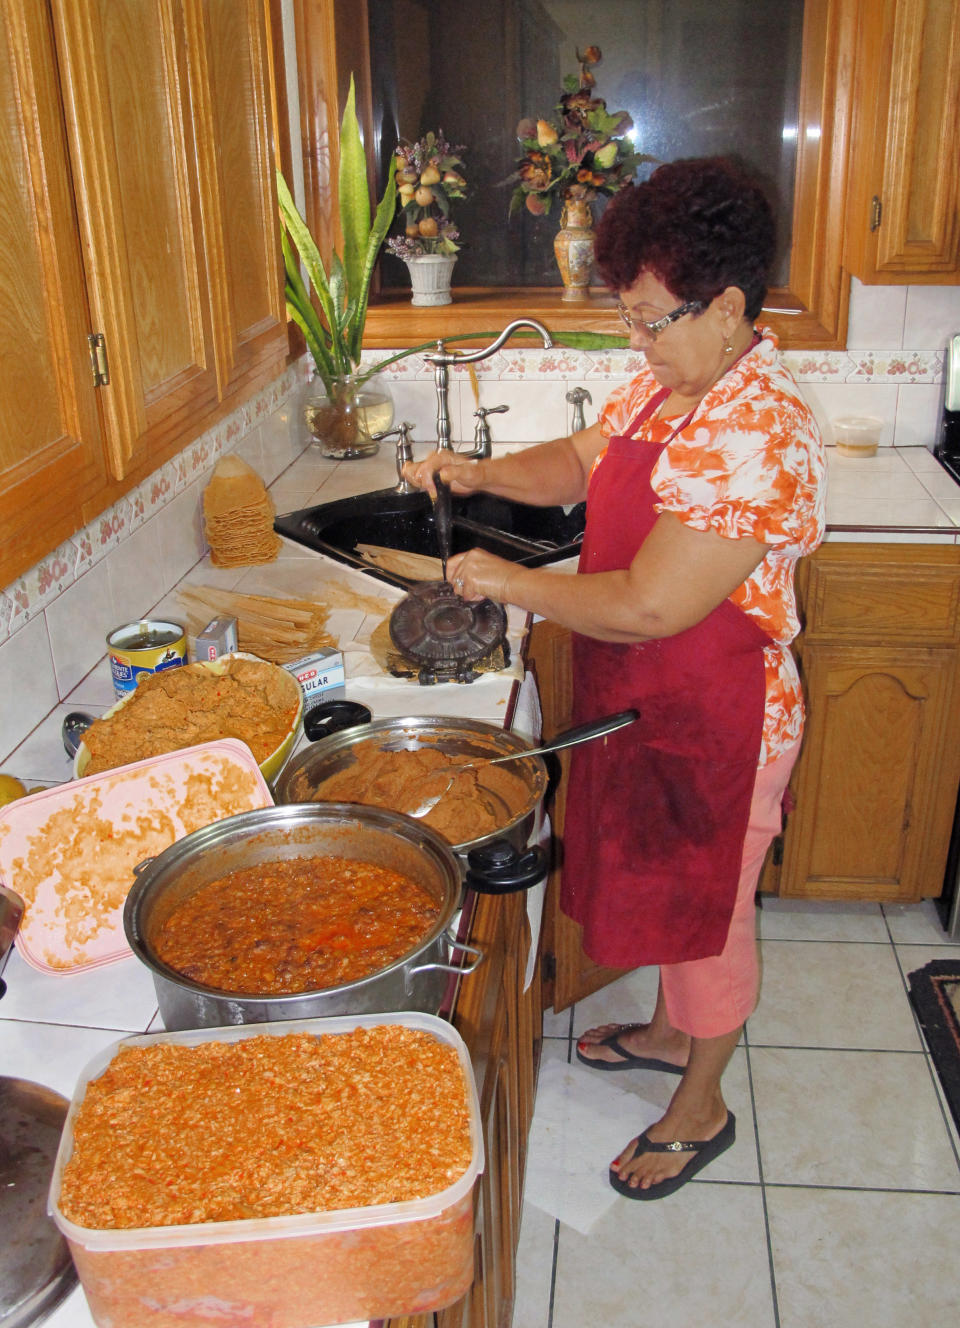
533,536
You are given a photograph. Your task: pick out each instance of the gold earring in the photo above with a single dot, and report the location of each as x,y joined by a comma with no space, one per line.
728,346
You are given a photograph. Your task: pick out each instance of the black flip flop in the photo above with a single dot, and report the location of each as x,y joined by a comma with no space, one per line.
704,1151
629,1062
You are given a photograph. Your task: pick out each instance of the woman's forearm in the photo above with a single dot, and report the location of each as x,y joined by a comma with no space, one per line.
543,475
595,604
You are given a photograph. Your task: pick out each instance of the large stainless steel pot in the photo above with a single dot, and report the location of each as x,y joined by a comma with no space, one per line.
454,737
415,981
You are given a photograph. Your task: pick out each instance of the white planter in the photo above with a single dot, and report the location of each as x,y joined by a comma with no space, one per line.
430,278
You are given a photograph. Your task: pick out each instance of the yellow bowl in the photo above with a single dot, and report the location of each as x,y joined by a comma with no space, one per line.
271,765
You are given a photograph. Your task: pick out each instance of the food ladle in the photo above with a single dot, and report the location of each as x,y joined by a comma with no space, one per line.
594,728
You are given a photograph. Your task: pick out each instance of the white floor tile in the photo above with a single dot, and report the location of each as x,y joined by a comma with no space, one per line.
873,1120
531,1308
917,924
698,1257
845,1259
820,920
629,1000
819,994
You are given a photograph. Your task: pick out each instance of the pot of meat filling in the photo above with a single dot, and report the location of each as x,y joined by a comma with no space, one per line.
294,912
390,763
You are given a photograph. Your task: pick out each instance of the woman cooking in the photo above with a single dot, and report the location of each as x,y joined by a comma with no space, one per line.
704,481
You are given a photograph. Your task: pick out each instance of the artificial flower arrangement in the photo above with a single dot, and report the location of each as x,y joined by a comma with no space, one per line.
580,152
428,174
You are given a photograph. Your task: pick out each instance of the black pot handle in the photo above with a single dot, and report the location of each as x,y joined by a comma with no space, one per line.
498,869
331,716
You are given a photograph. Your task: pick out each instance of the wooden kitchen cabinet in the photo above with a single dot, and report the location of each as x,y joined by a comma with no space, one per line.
903,222
876,782
167,113
138,208
51,448
501,1021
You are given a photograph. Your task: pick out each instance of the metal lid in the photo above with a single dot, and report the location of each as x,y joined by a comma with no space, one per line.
434,627
36,1271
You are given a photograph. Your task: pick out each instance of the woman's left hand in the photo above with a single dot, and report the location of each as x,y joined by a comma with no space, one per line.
479,575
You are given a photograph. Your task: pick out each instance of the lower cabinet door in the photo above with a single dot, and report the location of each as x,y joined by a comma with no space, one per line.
874,786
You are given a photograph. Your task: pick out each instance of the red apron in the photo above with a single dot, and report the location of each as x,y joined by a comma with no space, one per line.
657,812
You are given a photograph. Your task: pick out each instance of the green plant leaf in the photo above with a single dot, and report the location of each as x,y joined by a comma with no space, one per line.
381,224
299,233
321,358
298,295
354,201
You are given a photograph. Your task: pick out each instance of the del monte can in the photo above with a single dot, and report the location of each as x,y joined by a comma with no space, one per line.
148,646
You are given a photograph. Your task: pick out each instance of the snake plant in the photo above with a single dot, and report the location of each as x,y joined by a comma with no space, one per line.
334,334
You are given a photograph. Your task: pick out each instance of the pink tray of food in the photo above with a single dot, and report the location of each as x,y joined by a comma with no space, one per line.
70,851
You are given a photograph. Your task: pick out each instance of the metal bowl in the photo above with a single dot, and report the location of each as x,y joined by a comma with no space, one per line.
415,981
453,736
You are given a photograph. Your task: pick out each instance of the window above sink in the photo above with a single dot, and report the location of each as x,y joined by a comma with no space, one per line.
811,311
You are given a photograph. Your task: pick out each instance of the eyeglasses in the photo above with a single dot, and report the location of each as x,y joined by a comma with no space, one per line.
654,329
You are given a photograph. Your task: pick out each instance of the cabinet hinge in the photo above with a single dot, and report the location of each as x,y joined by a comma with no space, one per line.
98,359
548,966
876,211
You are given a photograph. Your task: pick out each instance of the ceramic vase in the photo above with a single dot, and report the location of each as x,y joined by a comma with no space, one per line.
343,420
430,276
573,247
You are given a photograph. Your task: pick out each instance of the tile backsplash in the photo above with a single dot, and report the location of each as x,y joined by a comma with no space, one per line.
54,618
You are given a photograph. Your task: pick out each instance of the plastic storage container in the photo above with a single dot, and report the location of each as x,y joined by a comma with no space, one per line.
857,435
283,1272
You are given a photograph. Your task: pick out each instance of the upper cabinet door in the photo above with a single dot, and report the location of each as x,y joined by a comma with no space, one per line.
904,222
230,63
126,97
51,451
170,134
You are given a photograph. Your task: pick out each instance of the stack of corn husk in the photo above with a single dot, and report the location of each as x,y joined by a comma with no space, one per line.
277,630
238,516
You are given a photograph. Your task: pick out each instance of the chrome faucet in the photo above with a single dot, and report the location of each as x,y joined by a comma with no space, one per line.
441,359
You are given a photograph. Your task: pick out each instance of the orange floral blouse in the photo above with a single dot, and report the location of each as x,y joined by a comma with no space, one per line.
749,463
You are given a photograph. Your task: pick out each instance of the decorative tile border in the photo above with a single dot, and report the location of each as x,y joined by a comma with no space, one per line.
818,366
31,593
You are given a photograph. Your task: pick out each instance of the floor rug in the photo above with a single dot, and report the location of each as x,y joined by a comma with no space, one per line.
935,994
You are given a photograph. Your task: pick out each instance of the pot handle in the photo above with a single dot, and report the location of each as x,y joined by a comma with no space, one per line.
331,716
498,869
478,958
139,867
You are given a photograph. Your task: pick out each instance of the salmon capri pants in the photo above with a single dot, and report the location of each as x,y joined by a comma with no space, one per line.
709,997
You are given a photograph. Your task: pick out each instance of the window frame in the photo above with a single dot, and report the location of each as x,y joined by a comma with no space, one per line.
810,313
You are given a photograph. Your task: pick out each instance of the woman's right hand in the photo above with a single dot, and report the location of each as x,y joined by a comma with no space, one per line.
463,476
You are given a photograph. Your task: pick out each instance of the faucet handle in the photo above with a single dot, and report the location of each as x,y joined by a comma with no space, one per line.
577,396
481,432
404,454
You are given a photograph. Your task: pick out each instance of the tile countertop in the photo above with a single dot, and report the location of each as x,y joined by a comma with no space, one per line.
899,494
50,1027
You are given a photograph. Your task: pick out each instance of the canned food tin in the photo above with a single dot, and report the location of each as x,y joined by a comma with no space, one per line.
144,647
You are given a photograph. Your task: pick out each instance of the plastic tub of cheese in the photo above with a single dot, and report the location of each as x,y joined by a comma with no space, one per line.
307,1172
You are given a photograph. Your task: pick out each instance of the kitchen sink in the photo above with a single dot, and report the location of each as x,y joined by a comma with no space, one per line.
534,536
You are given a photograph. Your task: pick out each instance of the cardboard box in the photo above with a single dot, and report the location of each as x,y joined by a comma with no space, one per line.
219,637
320,675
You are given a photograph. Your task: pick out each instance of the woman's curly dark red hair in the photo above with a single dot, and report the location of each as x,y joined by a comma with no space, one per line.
698,225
